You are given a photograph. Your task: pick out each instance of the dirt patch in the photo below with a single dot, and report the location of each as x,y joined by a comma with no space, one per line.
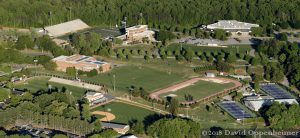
108,116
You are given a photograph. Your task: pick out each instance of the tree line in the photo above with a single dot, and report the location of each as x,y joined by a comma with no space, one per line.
167,14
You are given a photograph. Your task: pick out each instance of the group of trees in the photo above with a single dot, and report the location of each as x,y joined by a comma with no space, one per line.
287,56
174,128
175,14
52,108
282,116
8,55
71,71
90,44
43,43
138,92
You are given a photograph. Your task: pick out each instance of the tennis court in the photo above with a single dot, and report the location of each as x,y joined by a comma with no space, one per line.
235,110
276,91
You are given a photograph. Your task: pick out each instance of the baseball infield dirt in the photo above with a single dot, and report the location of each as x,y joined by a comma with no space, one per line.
108,116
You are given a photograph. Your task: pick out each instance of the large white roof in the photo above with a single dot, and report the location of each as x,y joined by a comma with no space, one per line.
136,27
66,27
231,24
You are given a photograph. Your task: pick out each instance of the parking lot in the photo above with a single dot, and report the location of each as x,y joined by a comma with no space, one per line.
215,42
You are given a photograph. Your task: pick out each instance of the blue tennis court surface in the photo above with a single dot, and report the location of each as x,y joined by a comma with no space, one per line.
235,110
275,91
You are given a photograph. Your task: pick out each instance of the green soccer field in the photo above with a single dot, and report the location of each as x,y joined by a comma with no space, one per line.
42,83
199,90
125,112
139,76
4,94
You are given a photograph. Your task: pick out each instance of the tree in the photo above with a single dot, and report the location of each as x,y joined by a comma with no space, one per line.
163,35
86,112
223,67
173,106
118,41
24,41
231,58
256,86
257,31
71,71
2,134
137,127
108,133
219,34
95,41
282,58
174,128
92,73
188,54
283,37
254,61
50,66
60,136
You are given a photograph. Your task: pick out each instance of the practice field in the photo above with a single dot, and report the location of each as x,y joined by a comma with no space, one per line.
139,76
124,112
39,83
199,90
4,93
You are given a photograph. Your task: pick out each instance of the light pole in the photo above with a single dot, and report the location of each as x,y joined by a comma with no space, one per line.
243,118
180,46
108,110
187,111
114,76
70,9
35,63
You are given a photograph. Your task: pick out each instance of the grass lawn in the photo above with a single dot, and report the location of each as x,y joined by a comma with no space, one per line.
213,118
4,93
200,90
125,112
41,83
5,68
139,76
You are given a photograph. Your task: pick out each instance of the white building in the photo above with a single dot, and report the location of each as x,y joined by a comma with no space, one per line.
232,26
95,98
210,75
257,101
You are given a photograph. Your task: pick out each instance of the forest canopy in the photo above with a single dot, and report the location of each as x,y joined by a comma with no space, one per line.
156,13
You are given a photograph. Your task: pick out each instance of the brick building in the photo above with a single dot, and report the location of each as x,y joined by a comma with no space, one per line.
137,34
81,62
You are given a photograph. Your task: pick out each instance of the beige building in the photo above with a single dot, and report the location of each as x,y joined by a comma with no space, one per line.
65,28
137,34
81,62
120,128
95,98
